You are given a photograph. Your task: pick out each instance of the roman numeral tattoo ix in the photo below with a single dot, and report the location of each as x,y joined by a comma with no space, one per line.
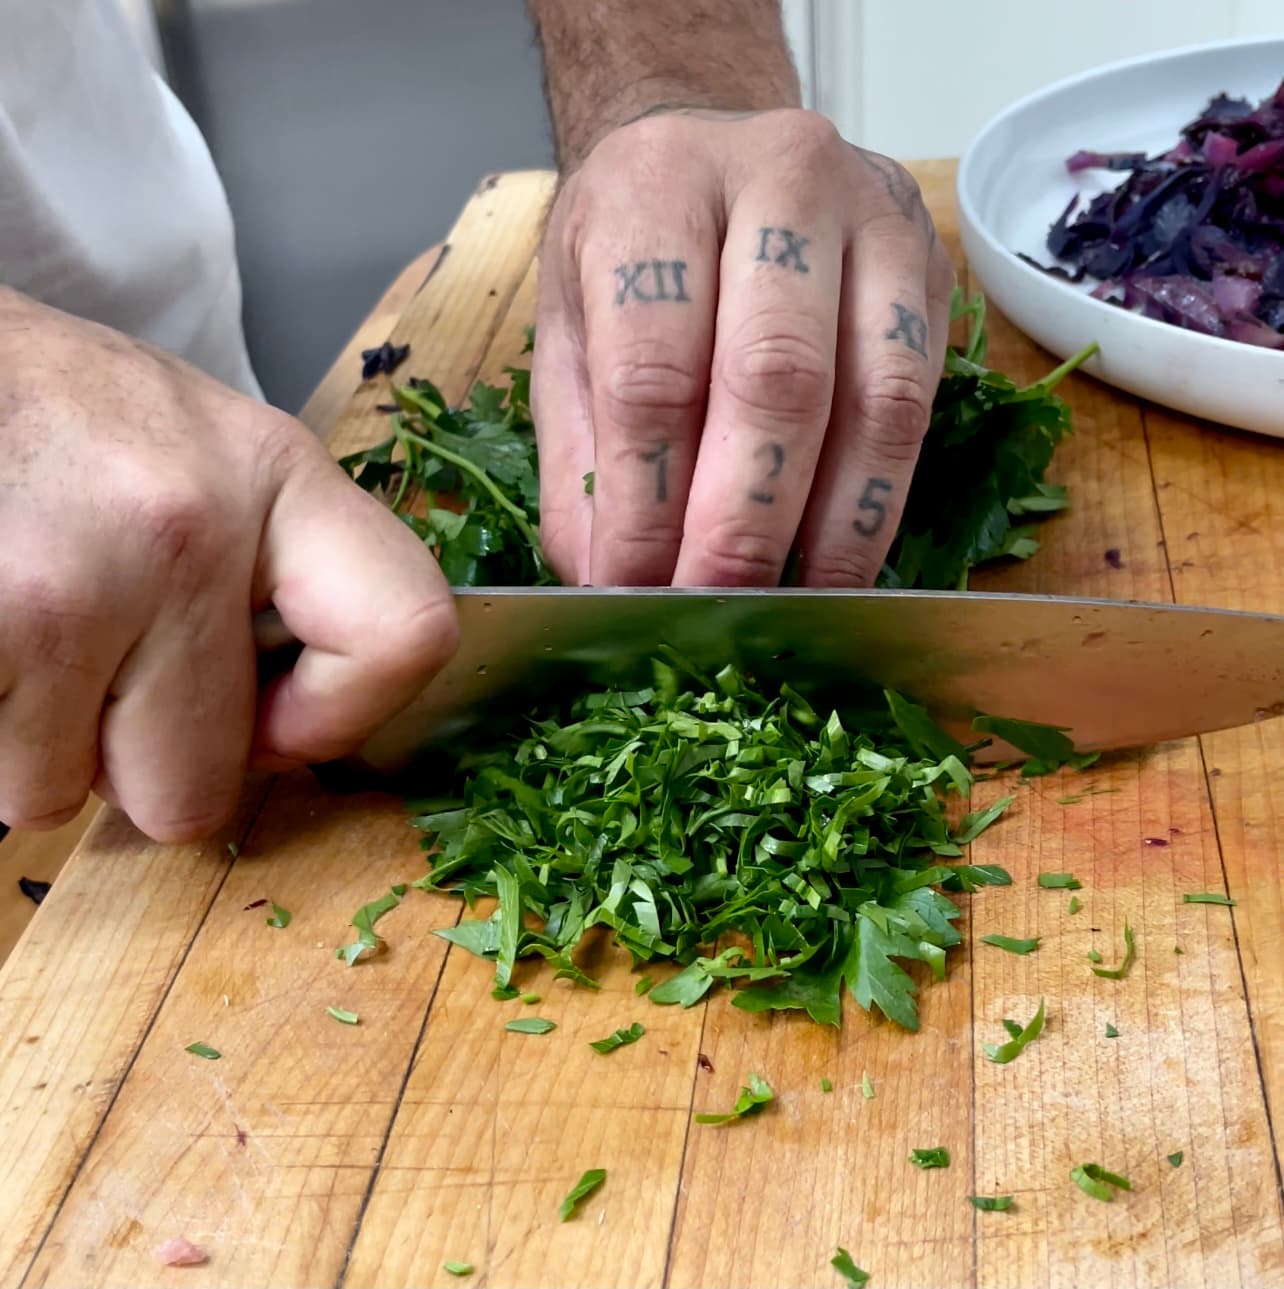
910,328
784,247
649,281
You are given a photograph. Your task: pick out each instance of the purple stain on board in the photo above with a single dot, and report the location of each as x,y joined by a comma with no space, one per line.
33,889
1114,558
1154,841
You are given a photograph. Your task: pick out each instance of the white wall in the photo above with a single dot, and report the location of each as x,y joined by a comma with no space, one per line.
918,78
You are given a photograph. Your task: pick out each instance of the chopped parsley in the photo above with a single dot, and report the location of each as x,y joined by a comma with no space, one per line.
1208,897
621,1038
203,1050
1111,1031
991,1203
866,1087
643,986
280,917
850,1272
1176,1157
826,1085
367,942
530,1025
457,1268
1059,882
1093,1180
935,1157
582,1189
1002,1053
750,1101
1075,905
343,1016
1011,945
1130,953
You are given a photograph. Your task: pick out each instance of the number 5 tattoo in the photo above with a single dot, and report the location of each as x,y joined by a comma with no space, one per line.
871,500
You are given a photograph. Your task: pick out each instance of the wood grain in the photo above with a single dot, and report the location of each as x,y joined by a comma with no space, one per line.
318,1153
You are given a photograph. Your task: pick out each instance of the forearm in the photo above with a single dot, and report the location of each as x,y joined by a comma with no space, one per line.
607,62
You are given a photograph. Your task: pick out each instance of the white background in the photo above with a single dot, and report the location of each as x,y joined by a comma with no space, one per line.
919,78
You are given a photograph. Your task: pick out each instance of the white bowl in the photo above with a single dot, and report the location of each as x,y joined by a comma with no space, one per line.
1013,184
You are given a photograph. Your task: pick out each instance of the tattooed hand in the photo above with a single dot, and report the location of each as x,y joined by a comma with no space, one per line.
741,325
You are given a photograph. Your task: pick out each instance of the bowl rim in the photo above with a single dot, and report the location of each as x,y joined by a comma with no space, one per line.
970,217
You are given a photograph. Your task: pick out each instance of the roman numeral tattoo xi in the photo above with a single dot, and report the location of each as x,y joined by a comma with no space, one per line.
784,247
649,281
910,328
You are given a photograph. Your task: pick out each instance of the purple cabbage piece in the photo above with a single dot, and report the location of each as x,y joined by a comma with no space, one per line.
1193,236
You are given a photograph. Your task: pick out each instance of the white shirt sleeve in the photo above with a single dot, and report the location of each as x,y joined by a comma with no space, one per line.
110,206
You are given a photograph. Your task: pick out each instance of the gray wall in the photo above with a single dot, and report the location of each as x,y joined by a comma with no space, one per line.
349,133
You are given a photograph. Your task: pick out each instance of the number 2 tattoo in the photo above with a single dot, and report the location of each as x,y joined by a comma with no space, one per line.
659,457
784,247
651,281
910,328
871,503
763,495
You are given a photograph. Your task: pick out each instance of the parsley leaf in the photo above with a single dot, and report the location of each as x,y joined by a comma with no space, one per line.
340,1014
750,1101
1059,882
826,1085
1208,897
621,1038
1111,1031
1093,1180
457,1268
991,1203
850,1272
1130,953
1075,905
203,1049
1010,944
643,986
530,1025
280,917
866,1087
1002,1053
1013,1028
1176,1157
582,1189
367,942
936,1157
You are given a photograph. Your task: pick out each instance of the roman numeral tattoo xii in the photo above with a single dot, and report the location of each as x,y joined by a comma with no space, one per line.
651,281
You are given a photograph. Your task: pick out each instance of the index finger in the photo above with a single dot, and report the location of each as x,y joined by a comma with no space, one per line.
368,602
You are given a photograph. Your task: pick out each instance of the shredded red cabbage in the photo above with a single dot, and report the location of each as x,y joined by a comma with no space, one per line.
1193,236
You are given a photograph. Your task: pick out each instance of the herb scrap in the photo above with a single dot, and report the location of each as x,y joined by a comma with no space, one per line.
280,918
1111,1031
1093,1180
935,1157
1074,906
1130,954
203,1050
826,1085
1002,1053
866,1087
368,942
1010,944
530,1025
1059,882
457,1268
1176,1157
991,1203
342,1015
588,1183
1208,897
750,1101
621,1038
842,1263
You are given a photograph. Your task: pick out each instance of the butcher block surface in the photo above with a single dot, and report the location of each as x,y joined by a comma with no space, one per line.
318,1153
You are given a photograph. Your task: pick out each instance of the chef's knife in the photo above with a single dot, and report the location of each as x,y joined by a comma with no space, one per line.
1113,674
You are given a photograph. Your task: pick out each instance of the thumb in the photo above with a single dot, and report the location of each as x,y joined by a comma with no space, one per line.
367,601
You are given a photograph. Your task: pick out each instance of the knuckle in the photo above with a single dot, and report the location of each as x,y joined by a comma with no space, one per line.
176,524
646,380
894,411
183,822
40,812
840,567
642,556
807,138
781,374
731,556
48,617
419,641
651,137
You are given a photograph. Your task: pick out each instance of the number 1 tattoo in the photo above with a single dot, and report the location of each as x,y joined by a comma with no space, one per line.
659,457
910,328
871,500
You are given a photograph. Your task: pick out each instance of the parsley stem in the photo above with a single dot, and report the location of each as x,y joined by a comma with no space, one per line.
468,467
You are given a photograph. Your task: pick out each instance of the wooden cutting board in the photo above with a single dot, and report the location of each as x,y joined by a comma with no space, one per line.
314,1153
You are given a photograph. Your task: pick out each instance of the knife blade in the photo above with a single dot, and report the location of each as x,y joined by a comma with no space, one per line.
1114,674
